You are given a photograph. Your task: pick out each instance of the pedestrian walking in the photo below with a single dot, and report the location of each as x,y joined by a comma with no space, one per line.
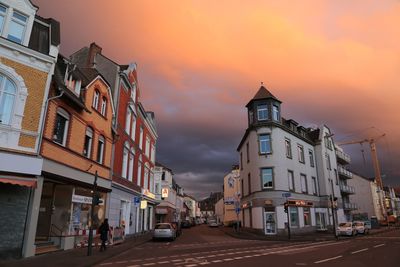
104,230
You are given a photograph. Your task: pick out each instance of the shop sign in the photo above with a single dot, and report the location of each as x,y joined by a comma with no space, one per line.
300,203
164,192
81,199
161,211
269,202
148,194
229,201
143,204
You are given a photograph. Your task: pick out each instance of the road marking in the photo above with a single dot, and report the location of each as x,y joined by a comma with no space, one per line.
228,259
216,261
119,262
163,262
238,258
358,251
380,245
108,263
134,266
190,265
301,264
329,259
178,260
149,264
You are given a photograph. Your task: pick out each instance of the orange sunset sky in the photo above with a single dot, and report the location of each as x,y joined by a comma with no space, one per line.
200,62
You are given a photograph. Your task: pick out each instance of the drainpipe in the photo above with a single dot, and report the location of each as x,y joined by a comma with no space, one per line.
44,119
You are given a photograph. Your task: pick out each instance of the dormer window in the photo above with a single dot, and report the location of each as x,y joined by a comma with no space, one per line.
16,31
103,106
262,112
96,97
77,87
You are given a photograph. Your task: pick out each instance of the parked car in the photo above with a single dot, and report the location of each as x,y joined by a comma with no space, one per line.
212,223
164,231
177,227
360,227
368,225
186,224
347,228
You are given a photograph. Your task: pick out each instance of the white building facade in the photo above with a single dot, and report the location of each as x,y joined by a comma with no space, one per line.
280,162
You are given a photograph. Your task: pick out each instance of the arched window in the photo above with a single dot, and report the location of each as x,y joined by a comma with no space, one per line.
125,160
103,106
61,124
87,149
7,98
96,97
100,149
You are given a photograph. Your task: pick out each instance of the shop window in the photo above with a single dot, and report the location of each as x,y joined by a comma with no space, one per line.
294,216
87,149
307,216
61,127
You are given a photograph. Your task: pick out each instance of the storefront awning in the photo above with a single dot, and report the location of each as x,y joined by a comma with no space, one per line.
19,181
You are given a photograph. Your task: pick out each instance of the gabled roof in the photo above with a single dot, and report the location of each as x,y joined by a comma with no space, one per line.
263,93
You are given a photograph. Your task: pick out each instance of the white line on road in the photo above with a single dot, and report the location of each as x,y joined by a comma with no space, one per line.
163,262
149,264
329,259
380,245
358,251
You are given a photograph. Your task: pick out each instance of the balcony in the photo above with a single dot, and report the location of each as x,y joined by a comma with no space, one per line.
349,206
344,173
347,189
342,157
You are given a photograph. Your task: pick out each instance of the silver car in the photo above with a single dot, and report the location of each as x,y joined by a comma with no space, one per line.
347,228
164,231
360,227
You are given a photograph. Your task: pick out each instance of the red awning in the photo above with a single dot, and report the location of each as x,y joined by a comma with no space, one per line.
19,181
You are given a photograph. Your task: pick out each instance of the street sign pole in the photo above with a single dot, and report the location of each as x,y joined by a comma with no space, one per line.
286,195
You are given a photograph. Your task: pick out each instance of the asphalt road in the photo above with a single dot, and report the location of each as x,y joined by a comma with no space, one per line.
201,245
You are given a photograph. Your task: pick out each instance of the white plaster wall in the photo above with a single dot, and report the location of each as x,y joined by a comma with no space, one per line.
363,196
258,218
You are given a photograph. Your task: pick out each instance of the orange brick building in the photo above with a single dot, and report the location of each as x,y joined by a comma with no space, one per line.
77,143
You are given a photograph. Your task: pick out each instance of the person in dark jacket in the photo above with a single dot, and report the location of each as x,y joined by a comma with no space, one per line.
104,230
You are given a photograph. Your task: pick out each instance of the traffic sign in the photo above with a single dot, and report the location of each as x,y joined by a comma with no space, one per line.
136,201
287,194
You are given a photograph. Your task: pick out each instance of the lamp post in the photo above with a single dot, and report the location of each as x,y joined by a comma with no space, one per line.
94,203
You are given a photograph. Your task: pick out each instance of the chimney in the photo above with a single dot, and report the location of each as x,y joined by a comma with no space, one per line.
93,50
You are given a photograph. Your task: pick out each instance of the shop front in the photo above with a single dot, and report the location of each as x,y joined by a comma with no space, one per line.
64,213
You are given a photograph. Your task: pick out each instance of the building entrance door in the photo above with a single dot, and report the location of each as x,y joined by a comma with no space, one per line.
270,223
45,212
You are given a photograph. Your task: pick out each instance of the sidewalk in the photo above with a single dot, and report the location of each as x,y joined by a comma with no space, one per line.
78,257
316,236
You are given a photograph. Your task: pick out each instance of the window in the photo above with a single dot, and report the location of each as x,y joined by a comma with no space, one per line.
241,160
314,185
133,92
288,147
16,29
87,149
128,120
131,160
139,176
153,153
311,155
163,176
303,181
77,88
100,149
267,179
133,130
291,180
265,143
242,184
3,11
307,216
300,153
61,127
328,161
141,138
262,112
151,182
275,113
247,153
336,177
147,149
103,106
8,92
146,178
294,216
248,184
96,96
125,161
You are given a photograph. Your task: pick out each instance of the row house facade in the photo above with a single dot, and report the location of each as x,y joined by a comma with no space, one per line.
281,161
29,46
232,195
76,146
131,205
172,207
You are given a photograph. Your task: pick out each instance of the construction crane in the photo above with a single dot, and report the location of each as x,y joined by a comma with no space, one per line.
374,156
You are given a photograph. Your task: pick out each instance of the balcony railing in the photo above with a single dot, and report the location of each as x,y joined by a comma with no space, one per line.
347,189
345,173
349,206
345,158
